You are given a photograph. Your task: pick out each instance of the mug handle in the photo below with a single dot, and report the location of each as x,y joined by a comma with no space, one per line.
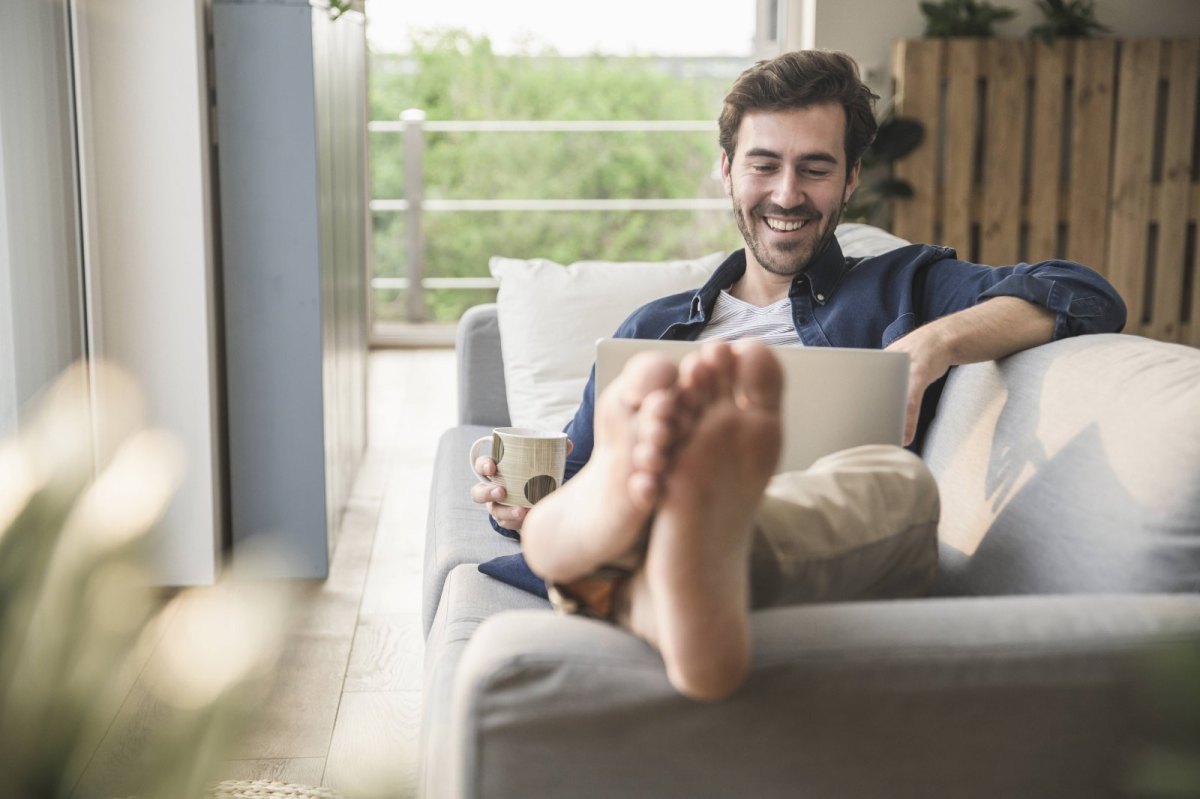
475,454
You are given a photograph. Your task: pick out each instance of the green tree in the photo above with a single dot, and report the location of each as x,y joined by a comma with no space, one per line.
451,75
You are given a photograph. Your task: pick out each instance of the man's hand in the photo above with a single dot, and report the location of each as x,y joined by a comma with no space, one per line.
993,329
510,517
929,359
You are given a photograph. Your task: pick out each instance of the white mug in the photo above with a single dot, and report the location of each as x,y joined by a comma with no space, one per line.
529,463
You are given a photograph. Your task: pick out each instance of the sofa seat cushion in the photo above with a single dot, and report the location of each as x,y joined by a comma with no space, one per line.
1050,484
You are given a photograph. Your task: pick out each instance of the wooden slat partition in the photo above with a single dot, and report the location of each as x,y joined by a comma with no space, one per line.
1081,149
1091,149
961,139
922,69
1170,275
1046,146
1003,151
1133,153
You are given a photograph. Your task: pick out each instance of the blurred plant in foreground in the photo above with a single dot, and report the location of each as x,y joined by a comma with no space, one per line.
1166,756
79,492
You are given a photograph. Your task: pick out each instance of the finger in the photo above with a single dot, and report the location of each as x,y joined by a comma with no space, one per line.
508,516
487,492
910,419
570,446
485,466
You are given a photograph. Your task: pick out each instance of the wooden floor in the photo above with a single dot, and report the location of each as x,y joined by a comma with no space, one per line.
345,708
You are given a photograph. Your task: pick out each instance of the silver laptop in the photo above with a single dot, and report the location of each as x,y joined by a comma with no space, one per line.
833,398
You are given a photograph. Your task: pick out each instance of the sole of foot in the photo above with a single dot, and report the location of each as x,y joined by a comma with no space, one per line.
698,556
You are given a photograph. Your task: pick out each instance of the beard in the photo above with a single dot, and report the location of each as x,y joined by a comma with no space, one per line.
793,258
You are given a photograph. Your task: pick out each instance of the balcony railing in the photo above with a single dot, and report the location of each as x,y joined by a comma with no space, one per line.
413,125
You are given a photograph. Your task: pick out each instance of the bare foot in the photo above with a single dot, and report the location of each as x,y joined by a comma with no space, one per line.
697,565
602,513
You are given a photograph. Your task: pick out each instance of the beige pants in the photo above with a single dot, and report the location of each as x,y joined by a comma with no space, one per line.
858,524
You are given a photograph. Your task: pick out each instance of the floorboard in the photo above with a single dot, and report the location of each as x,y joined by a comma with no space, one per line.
374,748
387,654
296,770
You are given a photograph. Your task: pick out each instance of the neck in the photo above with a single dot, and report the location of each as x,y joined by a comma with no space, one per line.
760,287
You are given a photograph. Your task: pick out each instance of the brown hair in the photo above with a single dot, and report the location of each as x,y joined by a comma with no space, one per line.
799,79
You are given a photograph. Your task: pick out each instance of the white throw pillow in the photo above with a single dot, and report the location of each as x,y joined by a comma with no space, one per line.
861,241
551,315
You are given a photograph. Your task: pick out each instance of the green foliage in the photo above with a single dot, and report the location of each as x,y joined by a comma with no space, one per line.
1165,761
451,75
963,17
1067,19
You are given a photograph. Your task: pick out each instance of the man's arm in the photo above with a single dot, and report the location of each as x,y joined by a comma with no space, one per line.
993,329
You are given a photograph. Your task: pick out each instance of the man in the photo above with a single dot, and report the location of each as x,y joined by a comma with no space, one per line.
672,524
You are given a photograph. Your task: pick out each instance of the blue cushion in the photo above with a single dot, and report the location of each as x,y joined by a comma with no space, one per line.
513,569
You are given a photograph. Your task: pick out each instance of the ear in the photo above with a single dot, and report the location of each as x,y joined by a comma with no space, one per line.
852,181
726,180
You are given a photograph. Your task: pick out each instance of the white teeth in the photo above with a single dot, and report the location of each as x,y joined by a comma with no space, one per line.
784,226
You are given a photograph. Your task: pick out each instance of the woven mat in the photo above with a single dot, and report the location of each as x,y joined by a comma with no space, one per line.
262,789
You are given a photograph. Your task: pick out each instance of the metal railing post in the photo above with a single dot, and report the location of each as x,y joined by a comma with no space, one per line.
414,195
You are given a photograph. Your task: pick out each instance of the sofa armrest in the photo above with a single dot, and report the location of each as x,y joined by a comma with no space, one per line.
997,697
1073,467
481,393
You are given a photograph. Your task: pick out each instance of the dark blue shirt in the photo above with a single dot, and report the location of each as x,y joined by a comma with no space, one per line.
865,303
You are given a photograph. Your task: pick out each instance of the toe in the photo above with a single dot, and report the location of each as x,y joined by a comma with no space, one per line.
644,490
644,374
719,358
647,457
758,377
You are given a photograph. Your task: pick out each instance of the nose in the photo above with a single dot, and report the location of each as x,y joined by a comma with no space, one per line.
788,190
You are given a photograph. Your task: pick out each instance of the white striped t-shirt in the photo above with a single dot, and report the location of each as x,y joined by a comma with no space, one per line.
737,319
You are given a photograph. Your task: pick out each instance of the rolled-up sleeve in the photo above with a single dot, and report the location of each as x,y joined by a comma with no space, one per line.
1081,300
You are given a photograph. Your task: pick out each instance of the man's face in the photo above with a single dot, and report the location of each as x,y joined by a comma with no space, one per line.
789,180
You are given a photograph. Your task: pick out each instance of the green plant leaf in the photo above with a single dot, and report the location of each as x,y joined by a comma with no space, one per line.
892,188
897,137
1067,19
963,18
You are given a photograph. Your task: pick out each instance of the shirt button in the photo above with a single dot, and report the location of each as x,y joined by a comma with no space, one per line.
820,298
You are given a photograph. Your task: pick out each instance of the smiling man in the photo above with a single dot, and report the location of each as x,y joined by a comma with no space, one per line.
792,181
677,546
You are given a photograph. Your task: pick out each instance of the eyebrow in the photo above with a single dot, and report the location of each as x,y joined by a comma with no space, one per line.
762,152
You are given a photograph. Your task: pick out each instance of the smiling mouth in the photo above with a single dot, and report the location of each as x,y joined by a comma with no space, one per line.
785,225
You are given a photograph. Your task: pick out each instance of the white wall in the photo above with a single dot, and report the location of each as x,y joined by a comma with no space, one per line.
868,29
148,241
40,269
9,401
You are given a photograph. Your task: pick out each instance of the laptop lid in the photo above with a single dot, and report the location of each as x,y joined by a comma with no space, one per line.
833,398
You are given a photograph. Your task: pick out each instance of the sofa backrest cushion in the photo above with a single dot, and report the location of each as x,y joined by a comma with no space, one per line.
481,393
551,315
1073,467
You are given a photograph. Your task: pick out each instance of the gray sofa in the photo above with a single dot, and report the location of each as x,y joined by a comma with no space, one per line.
1070,481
